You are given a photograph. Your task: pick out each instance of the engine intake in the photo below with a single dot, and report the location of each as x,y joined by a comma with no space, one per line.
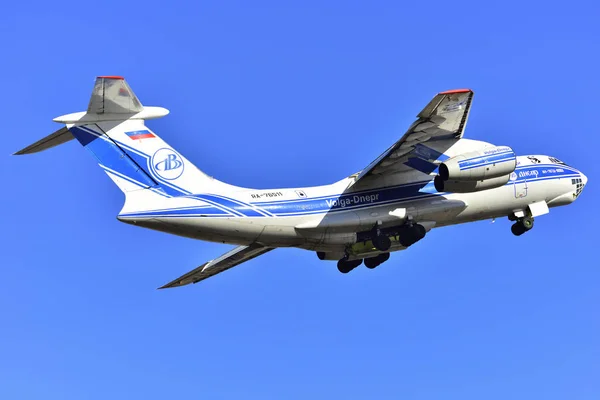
493,162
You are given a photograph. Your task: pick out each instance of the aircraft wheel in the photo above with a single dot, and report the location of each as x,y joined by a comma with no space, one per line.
526,222
372,262
383,257
517,229
412,235
345,266
522,225
382,243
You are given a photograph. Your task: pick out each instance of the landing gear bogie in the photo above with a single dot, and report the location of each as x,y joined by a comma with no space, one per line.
374,262
345,266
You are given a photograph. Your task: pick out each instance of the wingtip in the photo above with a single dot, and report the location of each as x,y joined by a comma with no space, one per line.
456,91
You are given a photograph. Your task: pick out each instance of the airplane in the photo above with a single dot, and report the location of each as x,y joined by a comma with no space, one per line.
431,177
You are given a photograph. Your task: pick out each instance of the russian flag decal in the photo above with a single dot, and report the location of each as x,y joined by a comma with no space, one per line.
143,134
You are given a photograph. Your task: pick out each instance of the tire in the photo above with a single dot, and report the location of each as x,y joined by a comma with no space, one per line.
527,223
344,266
372,262
411,235
517,229
382,243
383,257
420,231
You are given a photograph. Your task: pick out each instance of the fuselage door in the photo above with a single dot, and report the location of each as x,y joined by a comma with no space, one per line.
520,189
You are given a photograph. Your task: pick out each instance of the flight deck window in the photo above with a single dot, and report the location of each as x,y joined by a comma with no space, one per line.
556,161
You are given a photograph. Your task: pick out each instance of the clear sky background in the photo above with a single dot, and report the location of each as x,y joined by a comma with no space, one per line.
278,94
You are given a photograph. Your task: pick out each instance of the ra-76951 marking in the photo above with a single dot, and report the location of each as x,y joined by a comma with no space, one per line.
265,195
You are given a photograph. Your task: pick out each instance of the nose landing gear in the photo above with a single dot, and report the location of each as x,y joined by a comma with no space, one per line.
522,225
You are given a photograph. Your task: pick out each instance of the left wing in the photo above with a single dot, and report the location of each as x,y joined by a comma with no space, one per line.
228,260
445,117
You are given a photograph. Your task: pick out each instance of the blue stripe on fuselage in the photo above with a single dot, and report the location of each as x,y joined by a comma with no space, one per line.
481,161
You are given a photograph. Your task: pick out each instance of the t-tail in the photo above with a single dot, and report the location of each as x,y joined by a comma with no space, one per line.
140,163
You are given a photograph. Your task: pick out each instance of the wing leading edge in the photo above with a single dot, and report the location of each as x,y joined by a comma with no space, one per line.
226,261
444,118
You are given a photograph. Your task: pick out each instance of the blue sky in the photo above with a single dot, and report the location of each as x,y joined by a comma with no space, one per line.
275,95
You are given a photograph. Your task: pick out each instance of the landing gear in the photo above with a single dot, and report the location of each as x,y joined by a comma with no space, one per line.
522,225
373,262
411,234
345,266
380,240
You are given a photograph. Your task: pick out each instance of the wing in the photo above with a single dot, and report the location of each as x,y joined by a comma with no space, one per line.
228,260
443,119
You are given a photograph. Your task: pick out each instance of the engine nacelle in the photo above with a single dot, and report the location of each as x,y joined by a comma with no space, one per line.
469,186
489,163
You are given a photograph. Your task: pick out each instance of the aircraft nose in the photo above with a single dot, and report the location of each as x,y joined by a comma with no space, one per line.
583,178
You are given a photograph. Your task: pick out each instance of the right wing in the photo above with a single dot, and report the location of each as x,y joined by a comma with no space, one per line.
443,119
228,260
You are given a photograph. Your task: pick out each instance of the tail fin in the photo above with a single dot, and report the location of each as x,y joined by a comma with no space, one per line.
113,129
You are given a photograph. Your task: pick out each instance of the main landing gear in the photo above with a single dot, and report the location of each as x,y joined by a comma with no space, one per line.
522,225
373,262
407,236
380,240
345,266
411,234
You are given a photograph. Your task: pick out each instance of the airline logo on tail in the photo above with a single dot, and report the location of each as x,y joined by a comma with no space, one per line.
167,164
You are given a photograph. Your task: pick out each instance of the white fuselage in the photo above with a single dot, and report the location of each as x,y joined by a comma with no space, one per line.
327,218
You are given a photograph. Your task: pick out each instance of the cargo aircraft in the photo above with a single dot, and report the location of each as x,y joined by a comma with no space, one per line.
430,178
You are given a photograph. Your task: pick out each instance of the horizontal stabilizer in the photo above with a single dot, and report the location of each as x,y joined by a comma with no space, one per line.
59,137
226,261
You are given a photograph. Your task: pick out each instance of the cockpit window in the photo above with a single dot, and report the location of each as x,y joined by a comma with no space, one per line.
556,161
578,182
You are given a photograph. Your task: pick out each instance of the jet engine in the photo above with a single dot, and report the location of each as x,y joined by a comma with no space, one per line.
492,162
469,186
